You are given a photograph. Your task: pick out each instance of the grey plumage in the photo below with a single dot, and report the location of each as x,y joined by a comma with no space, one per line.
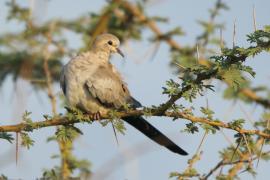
91,83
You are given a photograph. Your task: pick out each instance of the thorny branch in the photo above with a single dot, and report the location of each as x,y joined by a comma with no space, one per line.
249,93
223,162
245,158
66,121
150,23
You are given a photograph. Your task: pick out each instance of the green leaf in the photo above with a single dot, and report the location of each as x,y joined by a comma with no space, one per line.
53,174
47,117
26,140
172,88
51,138
210,128
233,77
119,125
174,174
191,128
247,69
208,112
67,133
27,121
6,136
238,123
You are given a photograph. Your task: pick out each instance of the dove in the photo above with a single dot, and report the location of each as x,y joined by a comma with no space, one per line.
92,84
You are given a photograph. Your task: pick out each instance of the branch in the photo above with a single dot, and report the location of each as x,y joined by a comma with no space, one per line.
247,92
154,112
174,98
102,24
223,162
150,23
250,94
220,164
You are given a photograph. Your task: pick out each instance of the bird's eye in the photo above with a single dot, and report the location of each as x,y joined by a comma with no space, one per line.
110,42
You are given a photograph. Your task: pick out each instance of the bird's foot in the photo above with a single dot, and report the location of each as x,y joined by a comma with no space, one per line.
95,116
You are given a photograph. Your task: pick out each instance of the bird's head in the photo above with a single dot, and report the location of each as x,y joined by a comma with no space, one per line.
108,43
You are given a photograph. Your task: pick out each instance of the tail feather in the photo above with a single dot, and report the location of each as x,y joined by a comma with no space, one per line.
150,131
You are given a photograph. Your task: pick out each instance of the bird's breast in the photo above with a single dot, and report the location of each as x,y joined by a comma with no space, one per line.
76,94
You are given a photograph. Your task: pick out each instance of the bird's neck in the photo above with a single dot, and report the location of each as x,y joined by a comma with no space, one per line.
103,55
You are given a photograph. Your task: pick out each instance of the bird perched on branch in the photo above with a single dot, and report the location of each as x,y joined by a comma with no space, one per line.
92,84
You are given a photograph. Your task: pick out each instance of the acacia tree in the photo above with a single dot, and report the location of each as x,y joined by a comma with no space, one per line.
35,53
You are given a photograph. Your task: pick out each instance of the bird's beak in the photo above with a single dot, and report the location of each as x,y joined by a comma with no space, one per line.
120,52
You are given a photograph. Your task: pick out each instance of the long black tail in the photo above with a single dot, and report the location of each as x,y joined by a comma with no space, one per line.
150,131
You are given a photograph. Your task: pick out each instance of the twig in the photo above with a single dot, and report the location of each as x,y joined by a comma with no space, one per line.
221,44
164,107
151,24
245,158
115,135
198,53
254,18
246,141
236,149
248,116
200,145
102,24
260,154
196,157
221,163
179,65
224,163
155,51
17,147
231,143
234,32
175,45
251,95
267,127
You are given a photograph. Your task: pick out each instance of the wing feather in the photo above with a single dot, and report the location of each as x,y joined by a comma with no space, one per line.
62,80
108,88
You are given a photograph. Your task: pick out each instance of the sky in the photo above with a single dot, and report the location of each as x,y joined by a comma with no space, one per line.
136,157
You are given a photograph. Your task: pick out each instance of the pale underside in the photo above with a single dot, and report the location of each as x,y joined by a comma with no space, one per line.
93,85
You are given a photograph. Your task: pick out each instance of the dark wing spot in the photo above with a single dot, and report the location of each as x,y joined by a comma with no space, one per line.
123,87
64,88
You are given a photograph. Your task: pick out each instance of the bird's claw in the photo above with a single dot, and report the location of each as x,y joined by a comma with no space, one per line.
96,116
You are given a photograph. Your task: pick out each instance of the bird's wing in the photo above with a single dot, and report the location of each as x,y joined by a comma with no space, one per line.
108,88
62,80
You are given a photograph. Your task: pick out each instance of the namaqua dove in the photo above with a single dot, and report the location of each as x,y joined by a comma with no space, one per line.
92,84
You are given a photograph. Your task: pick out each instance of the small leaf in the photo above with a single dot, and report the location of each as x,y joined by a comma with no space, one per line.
238,123
26,140
6,136
174,174
67,133
208,112
191,128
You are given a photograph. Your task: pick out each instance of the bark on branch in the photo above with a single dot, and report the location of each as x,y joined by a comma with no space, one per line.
182,115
